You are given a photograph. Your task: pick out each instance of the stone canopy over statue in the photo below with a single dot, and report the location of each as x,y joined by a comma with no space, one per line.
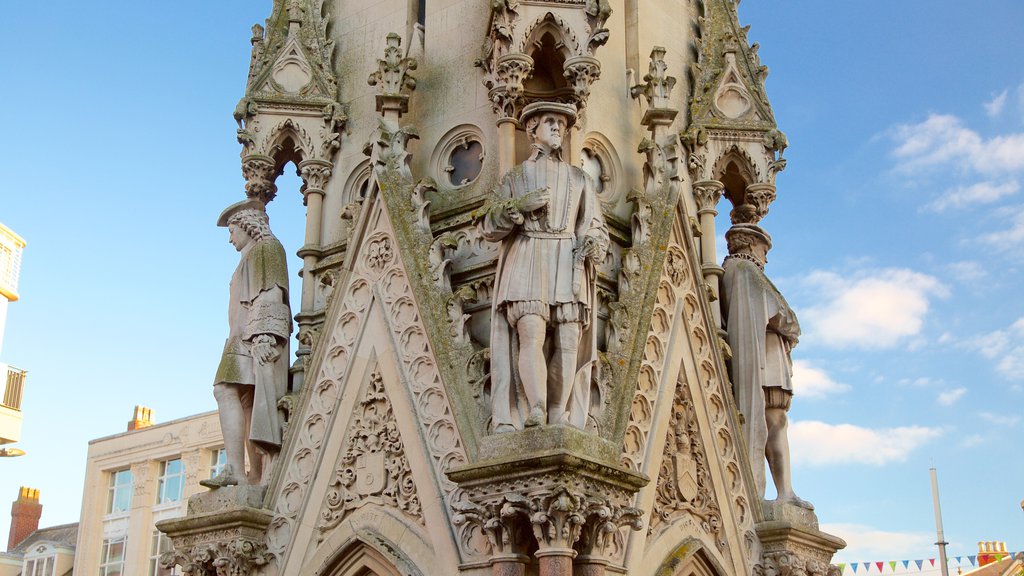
762,330
548,220
253,371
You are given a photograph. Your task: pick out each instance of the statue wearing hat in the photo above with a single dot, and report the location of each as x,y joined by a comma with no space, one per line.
253,371
543,340
762,330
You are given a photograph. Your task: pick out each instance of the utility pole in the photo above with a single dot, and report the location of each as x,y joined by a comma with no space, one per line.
938,524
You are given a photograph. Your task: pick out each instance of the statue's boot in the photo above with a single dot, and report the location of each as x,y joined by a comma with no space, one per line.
227,477
795,500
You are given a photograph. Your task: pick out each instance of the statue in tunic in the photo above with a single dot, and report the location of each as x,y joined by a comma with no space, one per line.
253,371
762,330
543,340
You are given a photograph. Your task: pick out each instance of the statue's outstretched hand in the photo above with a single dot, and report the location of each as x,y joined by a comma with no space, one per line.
534,200
264,349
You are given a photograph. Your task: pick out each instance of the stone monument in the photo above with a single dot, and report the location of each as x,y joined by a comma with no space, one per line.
762,330
512,356
549,222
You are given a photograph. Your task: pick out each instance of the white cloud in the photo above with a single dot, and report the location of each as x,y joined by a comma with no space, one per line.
967,271
818,443
994,107
942,139
812,382
1005,346
973,195
972,441
868,543
1011,238
999,419
950,397
877,310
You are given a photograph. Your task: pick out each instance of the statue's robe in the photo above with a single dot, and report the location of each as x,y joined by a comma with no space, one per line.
253,311
762,329
538,264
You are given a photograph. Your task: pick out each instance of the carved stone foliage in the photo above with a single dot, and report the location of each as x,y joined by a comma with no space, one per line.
554,507
392,77
235,557
226,542
684,480
373,467
657,86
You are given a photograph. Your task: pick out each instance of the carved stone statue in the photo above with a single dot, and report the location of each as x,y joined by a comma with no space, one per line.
762,330
548,220
253,371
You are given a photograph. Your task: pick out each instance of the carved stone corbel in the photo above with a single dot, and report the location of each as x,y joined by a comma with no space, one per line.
582,72
760,196
259,173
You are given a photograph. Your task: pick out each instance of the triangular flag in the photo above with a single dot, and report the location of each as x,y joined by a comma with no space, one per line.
919,563
932,560
879,564
906,564
841,567
973,559
958,558
854,566
892,565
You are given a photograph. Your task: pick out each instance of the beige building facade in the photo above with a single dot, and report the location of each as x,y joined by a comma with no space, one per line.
135,479
11,247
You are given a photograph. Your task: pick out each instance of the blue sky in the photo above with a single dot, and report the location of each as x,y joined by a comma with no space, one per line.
898,232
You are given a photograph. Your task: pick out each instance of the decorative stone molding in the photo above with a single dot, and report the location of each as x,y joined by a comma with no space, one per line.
259,172
506,93
568,500
582,72
373,467
657,86
684,485
707,193
760,196
392,77
315,175
223,534
792,544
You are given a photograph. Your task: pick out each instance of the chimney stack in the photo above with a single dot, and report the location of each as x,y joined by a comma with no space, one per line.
25,513
143,418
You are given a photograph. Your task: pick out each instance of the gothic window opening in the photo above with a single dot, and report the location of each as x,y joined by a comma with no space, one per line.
548,80
458,159
735,183
466,161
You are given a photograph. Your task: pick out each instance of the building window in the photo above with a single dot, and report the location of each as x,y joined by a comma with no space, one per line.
217,460
119,495
172,481
459,157
161,544
39,567
112,557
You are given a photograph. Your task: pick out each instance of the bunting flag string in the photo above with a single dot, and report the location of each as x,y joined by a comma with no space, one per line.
891,566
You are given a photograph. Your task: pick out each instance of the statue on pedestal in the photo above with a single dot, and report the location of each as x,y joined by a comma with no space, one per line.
253,371
762,330
548,219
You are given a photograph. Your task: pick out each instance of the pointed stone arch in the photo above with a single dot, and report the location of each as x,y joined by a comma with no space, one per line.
361,558
690,558
550,43
289,141
736,169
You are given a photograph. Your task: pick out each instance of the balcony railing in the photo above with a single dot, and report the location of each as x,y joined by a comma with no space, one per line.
14,388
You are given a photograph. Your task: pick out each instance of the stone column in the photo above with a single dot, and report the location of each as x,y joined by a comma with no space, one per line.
511,71
707,193
315,175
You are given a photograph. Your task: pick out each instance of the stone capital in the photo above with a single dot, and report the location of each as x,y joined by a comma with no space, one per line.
707,193
259,173
760,196
315,175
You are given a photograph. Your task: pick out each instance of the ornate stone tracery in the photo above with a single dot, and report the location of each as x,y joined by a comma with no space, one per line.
373,467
